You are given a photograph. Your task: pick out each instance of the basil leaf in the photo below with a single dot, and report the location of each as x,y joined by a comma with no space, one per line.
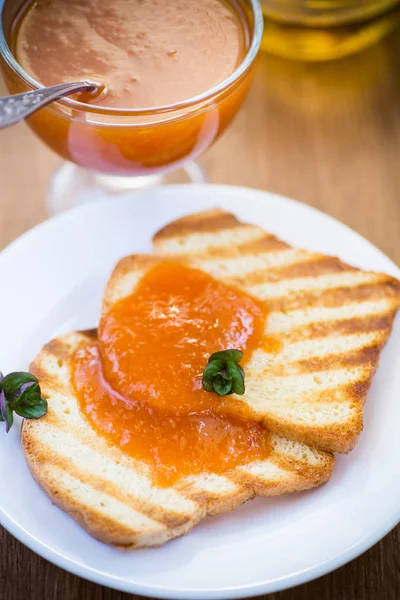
211,371
237,375
29,395
222,386
8,417
227,355
208,384
20,392
213,368
33,412
223,375
3,406
13,382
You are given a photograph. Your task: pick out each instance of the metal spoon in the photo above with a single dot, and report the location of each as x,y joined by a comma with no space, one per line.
16,108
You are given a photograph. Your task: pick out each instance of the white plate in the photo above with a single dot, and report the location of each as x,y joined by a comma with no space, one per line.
52,280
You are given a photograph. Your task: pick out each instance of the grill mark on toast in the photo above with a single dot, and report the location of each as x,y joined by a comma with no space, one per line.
315,266
217,503
355,325
304,479
201,244
263,245
311,472
332,438
58,348
347,352
292,352
367,356
267,243
336,395
387,287
358,391
247,480
135,262
46,455
48,383
91,334
204,222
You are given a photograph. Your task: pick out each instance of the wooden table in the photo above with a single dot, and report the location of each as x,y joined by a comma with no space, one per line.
328,135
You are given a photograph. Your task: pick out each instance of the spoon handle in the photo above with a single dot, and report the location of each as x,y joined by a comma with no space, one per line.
16,108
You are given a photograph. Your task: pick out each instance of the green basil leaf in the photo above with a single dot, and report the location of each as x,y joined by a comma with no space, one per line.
241,370
225,355
29,395
208,385
33,412
222,386
13,382
211,371
213,368
223,375
237,375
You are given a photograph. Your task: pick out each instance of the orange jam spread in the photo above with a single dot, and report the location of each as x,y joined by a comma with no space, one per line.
140,384
147,53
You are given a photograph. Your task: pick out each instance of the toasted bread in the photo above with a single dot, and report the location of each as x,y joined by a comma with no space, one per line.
330,321
112,495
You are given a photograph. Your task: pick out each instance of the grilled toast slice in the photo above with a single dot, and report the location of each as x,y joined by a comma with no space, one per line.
112,495
330,322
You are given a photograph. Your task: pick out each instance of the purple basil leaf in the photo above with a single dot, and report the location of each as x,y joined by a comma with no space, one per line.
9,417
24,386
6,411
13,382
2,406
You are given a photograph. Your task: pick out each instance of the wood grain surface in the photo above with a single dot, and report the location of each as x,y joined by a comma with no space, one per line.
328,135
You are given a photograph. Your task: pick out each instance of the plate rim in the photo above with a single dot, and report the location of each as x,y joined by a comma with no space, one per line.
157,591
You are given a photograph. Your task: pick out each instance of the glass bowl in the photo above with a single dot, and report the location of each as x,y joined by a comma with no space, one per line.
122,149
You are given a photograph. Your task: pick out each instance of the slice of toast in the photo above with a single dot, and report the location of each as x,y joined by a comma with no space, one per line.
112,495
330,322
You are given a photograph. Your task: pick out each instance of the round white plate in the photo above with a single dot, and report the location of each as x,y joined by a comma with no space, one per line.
52,280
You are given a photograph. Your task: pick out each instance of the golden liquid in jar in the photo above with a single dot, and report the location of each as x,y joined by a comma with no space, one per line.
318,30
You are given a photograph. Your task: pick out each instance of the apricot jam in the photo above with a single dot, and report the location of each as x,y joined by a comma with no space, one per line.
148,54
140,384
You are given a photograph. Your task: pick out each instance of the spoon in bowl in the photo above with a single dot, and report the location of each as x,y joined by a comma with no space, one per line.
14,109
